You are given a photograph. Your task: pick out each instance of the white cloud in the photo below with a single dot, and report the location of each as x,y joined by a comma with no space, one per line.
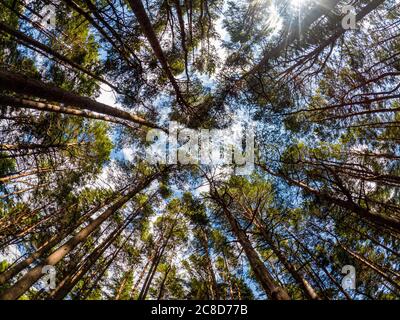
128,154
107,95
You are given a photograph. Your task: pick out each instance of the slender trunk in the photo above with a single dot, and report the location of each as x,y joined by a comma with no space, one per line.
121,287
373,240
150,274
228,277
162,286
348,204
299,27
96,280
36,44
44,106
72,279
46,246
155,263
183,38
297,276
23,85
301,281
34,274
214,287
124,52
274,291
20,216
33,146
147,29
337,284
141,275
28,173
15,193
373,266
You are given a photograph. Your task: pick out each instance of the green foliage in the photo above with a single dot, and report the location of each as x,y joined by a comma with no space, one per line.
325,191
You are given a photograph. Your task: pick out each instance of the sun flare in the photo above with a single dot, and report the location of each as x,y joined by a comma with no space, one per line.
274,20
296,4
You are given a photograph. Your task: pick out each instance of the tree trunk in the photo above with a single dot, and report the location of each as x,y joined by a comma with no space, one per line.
24,85
298,26
147,29
72,279
214,287
136,285
124,52
348,204
34,274
44,106
183,38
121,287
154,265
36,44
301,281
162,286
150,275
263,276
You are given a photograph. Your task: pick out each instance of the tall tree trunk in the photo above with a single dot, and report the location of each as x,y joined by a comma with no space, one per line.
322,8
154,265
297,276
124,51
301,281
95,281
348,204
214,287
147,29
24,85
68,283
183,38
121,287
150,274
34,274
28,173
162,286
274,291
71,279
36,44
44,106
373,266
139,280
332,278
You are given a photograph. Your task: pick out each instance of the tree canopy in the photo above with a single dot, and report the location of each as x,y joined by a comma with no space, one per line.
84,83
